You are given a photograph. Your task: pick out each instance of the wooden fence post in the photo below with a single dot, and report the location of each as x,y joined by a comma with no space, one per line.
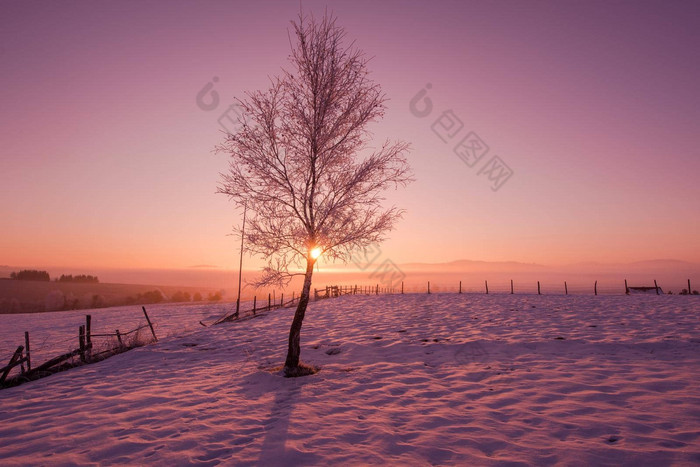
487,287
81,342
377,290
26,343
269,303
428,286
566,289
150,325
627,289
690,292
88,335
656,286
538,288
595,288
402,286
511,286
282,300
255,303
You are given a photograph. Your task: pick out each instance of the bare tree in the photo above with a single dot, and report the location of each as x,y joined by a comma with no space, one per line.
301,163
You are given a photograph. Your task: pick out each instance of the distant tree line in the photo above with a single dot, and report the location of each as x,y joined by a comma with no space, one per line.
156,296
78,278
30,275
180,297
152,296
35,275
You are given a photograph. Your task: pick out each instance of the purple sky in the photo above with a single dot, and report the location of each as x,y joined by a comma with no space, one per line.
106,159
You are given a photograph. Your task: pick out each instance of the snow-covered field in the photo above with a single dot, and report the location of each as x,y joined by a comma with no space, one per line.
54,333
406,379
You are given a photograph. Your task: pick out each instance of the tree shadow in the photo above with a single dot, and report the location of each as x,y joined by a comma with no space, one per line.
274,449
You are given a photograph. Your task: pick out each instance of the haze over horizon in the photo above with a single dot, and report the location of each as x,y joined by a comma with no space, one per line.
671,274
106,160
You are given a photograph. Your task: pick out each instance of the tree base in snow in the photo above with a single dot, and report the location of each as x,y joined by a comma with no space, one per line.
301,370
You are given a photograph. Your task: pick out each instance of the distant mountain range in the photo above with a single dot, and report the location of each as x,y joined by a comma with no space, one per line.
470,265
465,263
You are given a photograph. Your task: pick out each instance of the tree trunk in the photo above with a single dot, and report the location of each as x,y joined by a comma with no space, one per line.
291,365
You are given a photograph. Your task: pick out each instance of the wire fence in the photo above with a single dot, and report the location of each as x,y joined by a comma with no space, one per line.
549,287
83,350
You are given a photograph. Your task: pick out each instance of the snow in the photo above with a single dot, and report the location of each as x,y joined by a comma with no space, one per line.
405,379
54,333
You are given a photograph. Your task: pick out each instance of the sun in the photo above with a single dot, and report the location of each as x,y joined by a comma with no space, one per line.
316,252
